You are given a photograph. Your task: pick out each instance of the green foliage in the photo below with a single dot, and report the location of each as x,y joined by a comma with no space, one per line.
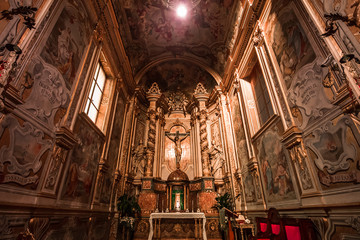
128,206
224,201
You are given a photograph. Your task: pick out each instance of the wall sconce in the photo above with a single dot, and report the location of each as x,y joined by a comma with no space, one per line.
334,67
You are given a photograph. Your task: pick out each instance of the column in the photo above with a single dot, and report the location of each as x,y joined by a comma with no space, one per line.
125,141
195,141
153,94
202,96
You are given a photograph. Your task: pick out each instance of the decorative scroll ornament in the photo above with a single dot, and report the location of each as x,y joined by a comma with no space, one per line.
330,145
354,222
58,158
22,155
27,12
177,101
154,89
258,37
200,89
298,155
306,93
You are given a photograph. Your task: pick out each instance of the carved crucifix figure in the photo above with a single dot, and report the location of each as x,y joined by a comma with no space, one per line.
177,139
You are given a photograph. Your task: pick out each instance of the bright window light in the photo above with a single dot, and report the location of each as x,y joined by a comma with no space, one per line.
95,94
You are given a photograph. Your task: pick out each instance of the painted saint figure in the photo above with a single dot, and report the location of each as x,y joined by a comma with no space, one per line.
177,140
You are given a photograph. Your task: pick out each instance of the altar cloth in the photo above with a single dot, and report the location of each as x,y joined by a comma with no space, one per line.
177,215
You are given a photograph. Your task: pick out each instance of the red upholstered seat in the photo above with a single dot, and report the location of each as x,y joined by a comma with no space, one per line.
276,228
293,232
263,227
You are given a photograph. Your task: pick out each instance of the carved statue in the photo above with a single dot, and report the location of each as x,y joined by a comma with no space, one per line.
139,161
177,101
177,140
216,159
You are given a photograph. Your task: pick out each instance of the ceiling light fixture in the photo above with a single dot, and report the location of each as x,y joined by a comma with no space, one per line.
181,10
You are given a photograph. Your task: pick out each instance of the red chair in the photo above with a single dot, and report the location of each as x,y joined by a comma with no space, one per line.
276,228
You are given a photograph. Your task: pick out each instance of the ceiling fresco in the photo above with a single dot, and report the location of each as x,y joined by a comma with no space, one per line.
151,29
172,74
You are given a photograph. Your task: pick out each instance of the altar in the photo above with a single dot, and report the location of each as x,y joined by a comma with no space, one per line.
199,218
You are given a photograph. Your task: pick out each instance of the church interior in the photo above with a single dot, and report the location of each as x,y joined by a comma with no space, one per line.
180,119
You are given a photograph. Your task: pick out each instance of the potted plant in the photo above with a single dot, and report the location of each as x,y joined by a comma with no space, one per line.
223,203
128,209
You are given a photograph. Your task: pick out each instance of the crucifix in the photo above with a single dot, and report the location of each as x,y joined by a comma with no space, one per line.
177,138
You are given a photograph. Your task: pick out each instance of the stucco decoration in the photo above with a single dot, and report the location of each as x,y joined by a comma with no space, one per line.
332,150
21,158
307,94
9,33
49,91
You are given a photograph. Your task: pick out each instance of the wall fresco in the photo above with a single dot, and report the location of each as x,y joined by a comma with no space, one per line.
274,166
66,43
113,151
83,164
238,130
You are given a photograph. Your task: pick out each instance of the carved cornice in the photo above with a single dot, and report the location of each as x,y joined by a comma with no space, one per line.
238,175
292,137
258,36
249,21
253,165
103,167
214,96
117,175
141,96
65,138
163,104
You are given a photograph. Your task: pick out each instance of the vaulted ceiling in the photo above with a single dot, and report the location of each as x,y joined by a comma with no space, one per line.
151,31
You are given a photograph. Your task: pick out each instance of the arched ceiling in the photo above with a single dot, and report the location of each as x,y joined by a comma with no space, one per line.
150,29
174,75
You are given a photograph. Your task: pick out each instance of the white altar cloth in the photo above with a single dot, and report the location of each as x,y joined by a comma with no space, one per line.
177,215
